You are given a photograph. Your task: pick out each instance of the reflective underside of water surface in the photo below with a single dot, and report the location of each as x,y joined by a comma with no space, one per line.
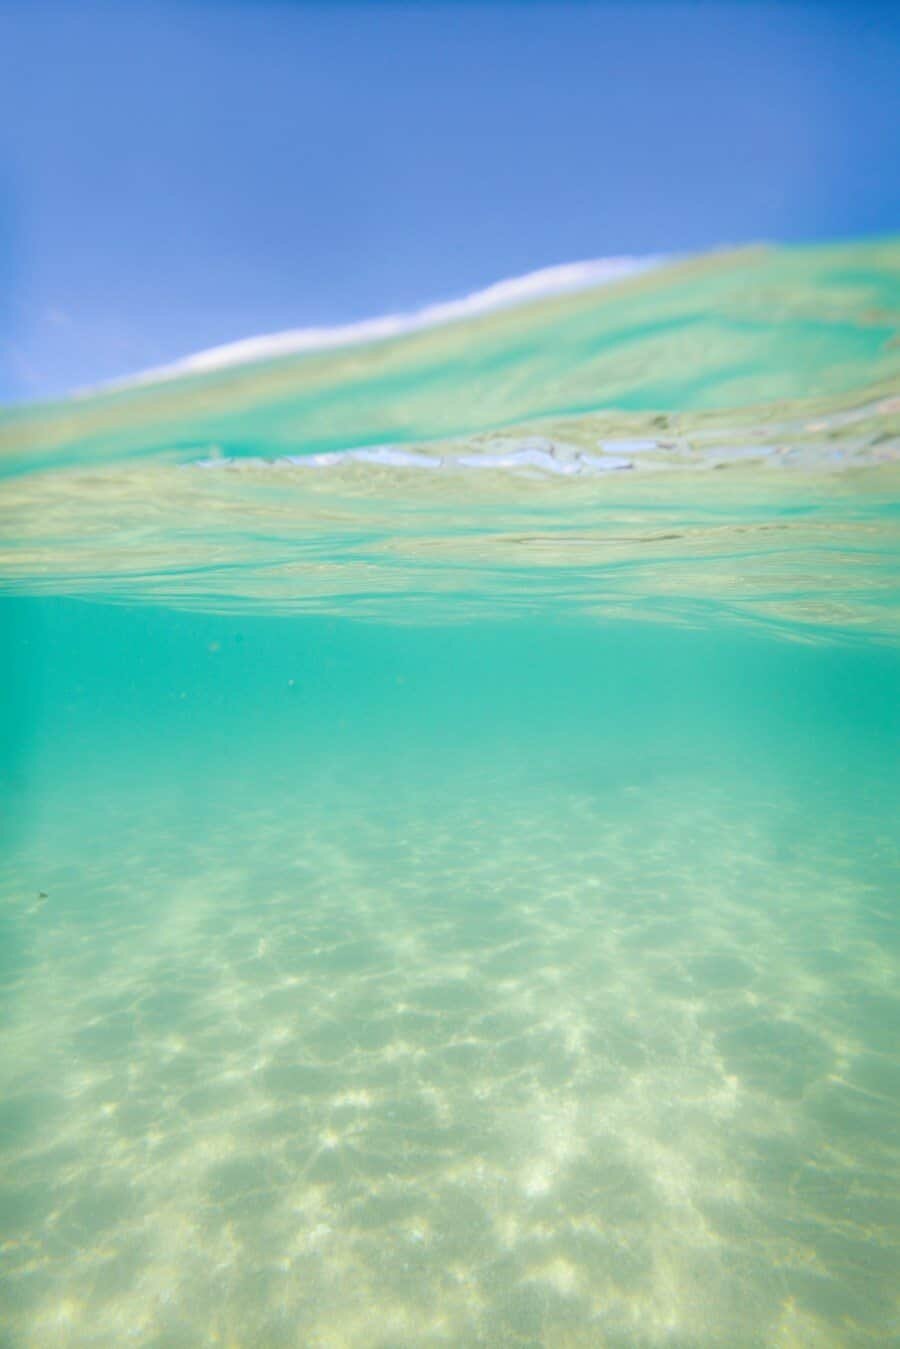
450,858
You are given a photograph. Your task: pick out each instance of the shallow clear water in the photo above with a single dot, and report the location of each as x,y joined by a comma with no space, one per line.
458,905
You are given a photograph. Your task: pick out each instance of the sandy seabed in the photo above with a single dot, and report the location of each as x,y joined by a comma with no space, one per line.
601,1072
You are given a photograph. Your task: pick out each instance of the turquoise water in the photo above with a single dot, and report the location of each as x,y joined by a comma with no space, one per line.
452,899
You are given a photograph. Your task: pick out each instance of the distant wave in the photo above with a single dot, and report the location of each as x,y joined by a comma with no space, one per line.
758,356
507,461
569,276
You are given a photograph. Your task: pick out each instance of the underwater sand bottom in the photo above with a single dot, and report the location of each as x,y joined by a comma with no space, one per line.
607,1073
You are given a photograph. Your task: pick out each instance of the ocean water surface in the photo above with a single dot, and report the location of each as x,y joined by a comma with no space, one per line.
450,850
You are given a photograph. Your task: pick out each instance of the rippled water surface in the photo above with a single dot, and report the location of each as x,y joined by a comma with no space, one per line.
450,843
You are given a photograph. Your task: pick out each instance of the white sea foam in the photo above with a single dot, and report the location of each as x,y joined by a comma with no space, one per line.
570,276
533,453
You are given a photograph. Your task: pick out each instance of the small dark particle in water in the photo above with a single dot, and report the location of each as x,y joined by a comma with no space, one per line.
42,894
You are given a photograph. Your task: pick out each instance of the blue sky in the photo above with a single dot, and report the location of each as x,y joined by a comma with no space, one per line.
176,175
